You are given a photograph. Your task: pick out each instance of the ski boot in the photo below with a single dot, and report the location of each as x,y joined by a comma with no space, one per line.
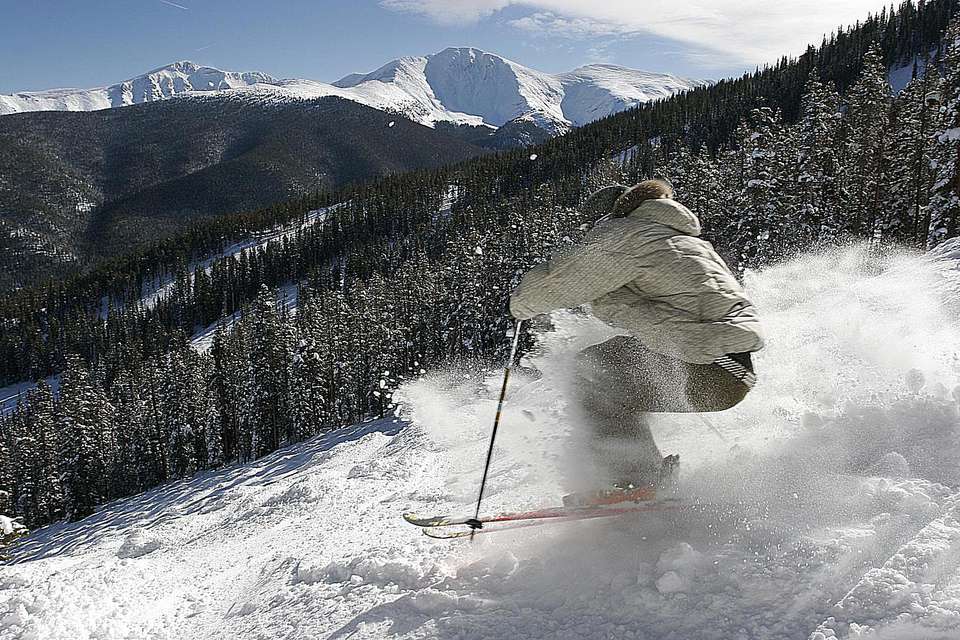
664,487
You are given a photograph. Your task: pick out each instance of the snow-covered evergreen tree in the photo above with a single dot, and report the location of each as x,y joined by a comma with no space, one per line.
916,117
944,208
26,469
131,467
83,416
866,153
818,203
229,375
271,358
49,496
177,415
698,183
311,372
758,226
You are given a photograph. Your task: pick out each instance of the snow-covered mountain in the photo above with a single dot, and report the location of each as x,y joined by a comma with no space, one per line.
460,82
162,83
825,506
459,85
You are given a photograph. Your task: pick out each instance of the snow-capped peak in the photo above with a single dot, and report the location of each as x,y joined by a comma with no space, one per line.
164,82
466,80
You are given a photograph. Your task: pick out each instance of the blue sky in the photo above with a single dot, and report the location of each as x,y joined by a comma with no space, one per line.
79,43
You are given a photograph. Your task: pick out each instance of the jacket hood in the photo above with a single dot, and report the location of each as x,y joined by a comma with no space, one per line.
669,213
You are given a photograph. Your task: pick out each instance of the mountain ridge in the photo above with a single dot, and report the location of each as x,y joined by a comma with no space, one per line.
460,85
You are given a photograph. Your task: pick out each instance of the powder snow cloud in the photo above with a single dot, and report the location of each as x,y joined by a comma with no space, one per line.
716,32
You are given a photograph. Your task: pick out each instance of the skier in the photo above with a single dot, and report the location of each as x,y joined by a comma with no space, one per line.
690,329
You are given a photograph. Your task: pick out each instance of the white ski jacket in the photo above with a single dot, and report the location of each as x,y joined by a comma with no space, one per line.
650,274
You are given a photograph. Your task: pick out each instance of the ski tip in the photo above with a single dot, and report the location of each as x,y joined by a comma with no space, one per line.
425,521
446,535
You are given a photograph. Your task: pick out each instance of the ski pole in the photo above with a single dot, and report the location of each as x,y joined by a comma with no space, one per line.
475,523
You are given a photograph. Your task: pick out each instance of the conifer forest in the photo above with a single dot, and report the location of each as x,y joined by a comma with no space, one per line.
257,329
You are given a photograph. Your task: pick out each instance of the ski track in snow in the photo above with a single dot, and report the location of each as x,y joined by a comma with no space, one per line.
824,506
162,288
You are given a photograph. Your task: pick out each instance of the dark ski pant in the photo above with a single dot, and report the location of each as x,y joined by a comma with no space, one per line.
620,381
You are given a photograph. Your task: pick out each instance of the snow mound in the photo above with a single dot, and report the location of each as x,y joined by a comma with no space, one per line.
138,543
398,571
9,526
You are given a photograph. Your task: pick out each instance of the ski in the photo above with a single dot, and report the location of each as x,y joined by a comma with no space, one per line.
549,513
440,532
434,521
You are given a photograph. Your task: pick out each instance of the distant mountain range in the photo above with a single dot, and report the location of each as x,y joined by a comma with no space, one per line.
194,141
457,85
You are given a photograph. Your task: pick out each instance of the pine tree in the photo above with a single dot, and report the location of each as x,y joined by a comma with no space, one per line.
26,470
698,183
912,175
177,412
270,366
83,416
819,203
759,228
43,423
132,469
867,150
944,208
228,376
311,373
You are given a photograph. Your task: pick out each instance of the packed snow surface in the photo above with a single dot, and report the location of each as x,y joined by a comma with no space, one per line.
824,506
461,85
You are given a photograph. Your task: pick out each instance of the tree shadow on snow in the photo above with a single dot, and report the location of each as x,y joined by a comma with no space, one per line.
190,495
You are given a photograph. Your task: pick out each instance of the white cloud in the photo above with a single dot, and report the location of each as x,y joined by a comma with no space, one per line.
449,11
732,31
547,23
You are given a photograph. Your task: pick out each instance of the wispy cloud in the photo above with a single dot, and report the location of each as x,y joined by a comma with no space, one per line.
720,31
174,4
206,46
449,11
548,23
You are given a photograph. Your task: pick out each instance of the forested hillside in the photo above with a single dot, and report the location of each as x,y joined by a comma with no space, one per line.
414,270
79,187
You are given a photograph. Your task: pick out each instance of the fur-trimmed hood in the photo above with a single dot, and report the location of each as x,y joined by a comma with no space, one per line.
669,213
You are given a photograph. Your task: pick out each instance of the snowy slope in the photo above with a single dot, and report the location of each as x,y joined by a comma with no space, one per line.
826,505
162,83
460,85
